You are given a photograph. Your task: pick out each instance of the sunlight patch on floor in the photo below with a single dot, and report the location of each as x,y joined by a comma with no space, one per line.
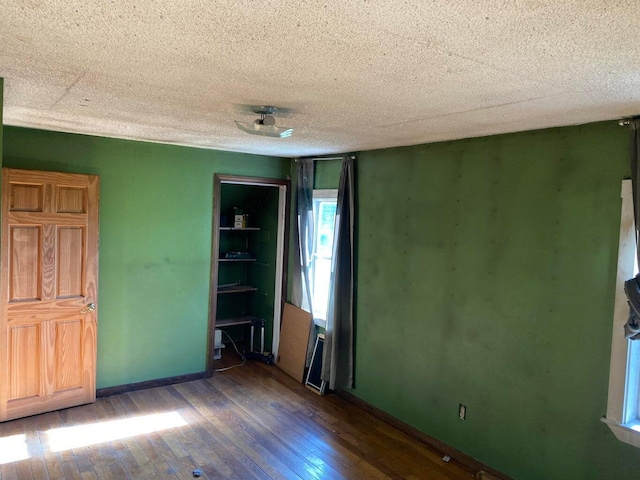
66,438
13,449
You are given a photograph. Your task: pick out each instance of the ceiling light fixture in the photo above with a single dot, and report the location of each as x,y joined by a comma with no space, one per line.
265,125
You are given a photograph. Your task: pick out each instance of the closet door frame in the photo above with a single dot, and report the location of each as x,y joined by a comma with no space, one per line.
282,249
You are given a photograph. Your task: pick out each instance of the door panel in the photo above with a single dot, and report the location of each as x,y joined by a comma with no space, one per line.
26,198
68,347
25,263
70,255
71,200
23,342
50,259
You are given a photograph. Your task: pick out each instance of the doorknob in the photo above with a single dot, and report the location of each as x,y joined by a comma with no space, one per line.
90,307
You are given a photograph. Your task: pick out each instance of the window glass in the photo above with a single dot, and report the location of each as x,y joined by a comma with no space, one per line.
324,213
623,405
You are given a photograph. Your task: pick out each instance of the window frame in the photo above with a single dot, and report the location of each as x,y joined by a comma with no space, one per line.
623,407
319,195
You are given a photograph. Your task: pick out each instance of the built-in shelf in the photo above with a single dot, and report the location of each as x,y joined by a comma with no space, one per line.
236,259
228,322
236,289
245,229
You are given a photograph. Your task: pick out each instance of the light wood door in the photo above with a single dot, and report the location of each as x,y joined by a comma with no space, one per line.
49,291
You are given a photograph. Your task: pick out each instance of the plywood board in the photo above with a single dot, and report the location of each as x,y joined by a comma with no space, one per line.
294,337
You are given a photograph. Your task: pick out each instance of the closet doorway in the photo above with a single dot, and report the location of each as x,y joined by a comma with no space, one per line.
248,259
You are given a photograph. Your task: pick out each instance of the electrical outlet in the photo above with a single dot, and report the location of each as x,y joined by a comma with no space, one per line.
462,411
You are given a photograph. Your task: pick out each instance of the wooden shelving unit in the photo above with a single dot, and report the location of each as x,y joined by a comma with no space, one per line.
248,291
241,242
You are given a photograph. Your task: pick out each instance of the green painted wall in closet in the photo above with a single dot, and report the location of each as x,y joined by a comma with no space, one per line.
485,276
155,242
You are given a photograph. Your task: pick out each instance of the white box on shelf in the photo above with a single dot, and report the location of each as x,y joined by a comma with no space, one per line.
240,221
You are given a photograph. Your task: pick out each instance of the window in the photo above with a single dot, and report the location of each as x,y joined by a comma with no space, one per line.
623,405
324,213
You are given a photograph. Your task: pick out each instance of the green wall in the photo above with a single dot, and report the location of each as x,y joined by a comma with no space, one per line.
485,276
327,174
155,243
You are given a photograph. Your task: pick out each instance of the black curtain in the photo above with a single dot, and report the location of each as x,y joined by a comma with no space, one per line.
301,289
337,361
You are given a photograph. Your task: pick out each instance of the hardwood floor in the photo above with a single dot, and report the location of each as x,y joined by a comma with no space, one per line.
252,422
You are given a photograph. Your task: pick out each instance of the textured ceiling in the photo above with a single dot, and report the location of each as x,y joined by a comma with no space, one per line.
352,75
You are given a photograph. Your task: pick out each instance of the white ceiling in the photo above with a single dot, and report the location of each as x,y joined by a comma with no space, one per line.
354,75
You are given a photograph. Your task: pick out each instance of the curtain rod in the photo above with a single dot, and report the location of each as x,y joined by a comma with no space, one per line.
353,157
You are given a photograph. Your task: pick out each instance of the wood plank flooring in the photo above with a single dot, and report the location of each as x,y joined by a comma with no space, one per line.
251,422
